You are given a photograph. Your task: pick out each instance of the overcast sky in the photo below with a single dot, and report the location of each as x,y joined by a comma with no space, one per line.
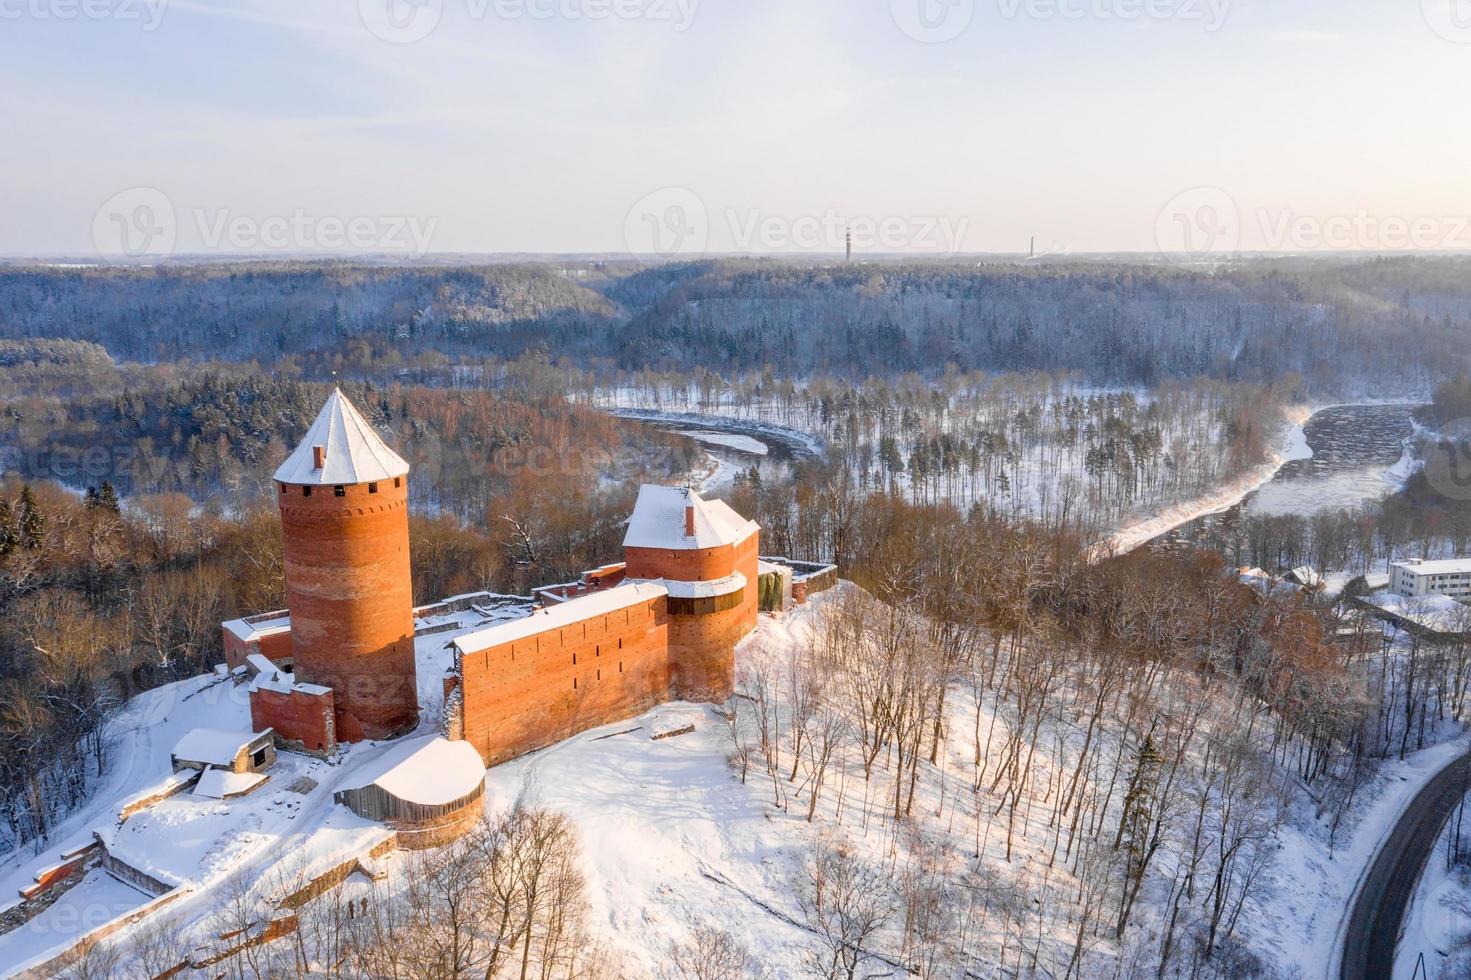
732,125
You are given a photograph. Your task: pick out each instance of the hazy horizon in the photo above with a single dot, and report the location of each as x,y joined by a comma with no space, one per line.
932,128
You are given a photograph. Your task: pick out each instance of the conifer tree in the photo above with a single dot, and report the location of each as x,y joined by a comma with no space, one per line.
7,528
107,497
31,523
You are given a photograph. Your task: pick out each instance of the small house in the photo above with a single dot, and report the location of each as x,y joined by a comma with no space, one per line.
238,752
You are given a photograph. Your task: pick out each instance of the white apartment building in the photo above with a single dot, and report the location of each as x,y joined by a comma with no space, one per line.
1416,577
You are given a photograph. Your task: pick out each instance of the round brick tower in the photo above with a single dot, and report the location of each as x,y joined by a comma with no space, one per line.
706,556
344,519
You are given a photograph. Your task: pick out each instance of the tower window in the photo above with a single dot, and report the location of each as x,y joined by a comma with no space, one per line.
397,482
372,488
339,491
306,491
283,489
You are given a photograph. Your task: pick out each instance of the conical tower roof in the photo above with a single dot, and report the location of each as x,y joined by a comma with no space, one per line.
351,452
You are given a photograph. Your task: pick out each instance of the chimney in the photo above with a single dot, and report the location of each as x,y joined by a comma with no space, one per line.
319,457
689,520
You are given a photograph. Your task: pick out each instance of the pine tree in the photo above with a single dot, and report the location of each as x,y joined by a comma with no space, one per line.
7,528
32,523
107,497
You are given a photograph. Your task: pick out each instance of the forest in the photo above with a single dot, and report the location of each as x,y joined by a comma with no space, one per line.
1344,325
1126,738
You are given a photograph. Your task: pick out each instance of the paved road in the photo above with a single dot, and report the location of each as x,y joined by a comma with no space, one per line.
1379,910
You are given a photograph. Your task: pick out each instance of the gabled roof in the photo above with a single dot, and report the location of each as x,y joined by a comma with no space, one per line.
214,747
658,521
354,453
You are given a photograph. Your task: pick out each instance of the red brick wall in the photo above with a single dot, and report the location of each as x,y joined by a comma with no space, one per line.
297,717
276,647
702,648
349,591
682,566
524,695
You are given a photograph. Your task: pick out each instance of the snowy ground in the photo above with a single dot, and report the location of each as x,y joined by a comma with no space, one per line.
199,843
1316,887
1438,923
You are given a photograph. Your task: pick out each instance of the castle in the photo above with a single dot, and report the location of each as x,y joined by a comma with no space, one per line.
663,625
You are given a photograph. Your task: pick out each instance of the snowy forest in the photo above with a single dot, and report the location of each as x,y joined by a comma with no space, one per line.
996,749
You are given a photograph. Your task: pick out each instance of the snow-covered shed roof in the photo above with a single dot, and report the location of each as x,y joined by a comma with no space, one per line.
213,746
563,614
352,451
658,521
429,773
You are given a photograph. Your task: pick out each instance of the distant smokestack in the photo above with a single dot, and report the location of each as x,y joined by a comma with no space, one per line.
850,245
319,457
689,520
1034,247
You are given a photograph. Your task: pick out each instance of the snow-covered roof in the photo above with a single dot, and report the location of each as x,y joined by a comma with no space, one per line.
734,582
353,452
565,614
430,773
1450,566
658,521
213,746
1438,613
217,784
256,627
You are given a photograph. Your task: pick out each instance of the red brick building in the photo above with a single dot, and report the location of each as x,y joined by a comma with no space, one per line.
665,629
343,497
664,625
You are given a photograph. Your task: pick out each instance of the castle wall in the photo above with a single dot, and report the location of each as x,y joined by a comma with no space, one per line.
705,565
348,586
702,642
275,646
297,717
532,692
